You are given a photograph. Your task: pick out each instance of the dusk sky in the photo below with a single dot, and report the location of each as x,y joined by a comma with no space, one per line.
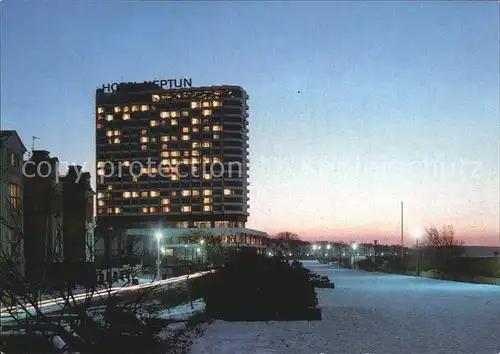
354,107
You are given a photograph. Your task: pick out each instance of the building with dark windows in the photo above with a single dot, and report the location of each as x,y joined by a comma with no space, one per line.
172,159
12,150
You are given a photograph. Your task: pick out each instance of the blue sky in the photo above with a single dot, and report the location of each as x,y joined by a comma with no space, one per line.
347,99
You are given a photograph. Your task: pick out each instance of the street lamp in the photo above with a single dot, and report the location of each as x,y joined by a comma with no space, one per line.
354,248
158,236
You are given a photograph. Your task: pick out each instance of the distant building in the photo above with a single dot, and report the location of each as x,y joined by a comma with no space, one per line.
196,140
12,150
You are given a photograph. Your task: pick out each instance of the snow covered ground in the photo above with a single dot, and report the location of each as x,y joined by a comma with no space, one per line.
374,313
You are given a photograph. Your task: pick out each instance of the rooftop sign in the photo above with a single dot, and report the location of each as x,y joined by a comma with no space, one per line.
164,84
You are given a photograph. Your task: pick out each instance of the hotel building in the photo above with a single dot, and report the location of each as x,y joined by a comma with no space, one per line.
172,159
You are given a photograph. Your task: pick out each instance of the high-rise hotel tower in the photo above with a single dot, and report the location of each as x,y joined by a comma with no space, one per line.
169,157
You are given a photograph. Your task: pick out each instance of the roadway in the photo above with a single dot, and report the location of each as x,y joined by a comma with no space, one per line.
374,313
14,313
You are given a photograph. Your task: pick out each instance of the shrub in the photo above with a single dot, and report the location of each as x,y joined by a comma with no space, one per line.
252,287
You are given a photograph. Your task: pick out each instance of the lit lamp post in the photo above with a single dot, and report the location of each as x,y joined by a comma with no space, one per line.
202,242
158,236
354,248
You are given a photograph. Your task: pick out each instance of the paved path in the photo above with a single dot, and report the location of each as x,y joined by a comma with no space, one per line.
375,313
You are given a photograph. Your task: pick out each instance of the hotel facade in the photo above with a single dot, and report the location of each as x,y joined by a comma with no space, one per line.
170,160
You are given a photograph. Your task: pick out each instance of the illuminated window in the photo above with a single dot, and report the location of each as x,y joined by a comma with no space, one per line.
206,159
109,117
195,144
215,104
175,153
153,140
207,112
100,164
144,171
135,108
174,138
186,153
195,153
195,121
165,201
135,179
164,114
109,187
126,194
207,208
195,160
155,98
174,122
126,163
206,129
153,123
228,192
116,141
126,109
145,210
126,116
117,109
164,146
118,210
117,132
99,126
174,193
144,194
144,107
100,110
155,193
185,129
185,113
186,161
206,144
153,210
196,129
165,138
216,128
175,161
109,133
186,209
165,209
216,160
195,105
216,136
185,137
207,192
100,203
135,194
100,117
165,154
207,176
186,193
144,139
109,210
195,193
207,200
174,114
100,172
144,147
144,131
175,178
154,170
206,104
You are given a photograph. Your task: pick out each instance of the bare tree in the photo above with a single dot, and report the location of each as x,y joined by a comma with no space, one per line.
441,247
62,307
